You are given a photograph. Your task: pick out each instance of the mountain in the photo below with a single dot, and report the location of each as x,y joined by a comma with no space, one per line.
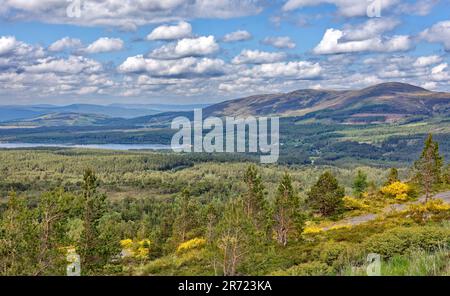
8,113
163,107
382,103
386,102
61,119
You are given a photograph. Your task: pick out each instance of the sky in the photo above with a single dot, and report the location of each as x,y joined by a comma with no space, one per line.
206,51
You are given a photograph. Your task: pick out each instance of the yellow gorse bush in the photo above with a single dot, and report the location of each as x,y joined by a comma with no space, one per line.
352,203
312,230
135,249
397,190
342,226
195,243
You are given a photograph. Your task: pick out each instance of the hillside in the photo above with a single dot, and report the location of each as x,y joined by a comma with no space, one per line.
61,119
387,102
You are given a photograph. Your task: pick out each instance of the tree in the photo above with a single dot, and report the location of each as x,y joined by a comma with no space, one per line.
19,238
52,212
287,216
392,177
236,237
186,218
326,196
94,206
429,166
255,206
360,183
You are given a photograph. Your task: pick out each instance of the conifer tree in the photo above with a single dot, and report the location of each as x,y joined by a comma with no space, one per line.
255,206
360,183
287,216
94,206
326,196
429,166
186,217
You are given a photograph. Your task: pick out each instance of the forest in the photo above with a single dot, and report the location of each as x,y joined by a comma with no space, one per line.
161,213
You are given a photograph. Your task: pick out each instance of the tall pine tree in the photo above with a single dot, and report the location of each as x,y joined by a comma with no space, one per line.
255,206
287,216
428,167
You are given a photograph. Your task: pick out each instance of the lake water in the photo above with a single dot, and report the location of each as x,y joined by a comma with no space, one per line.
90,146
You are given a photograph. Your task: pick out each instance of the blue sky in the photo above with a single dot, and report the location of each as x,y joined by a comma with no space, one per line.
181,52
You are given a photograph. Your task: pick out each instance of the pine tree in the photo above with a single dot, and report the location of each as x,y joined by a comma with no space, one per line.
326,196
52,211
237,237
186,219
94,206
255,206
360,183
429,166
287,216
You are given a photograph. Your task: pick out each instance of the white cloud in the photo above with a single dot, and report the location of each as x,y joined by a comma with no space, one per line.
330,44
7,44
128,14
258,57
293,70
439,33
187,47
279,42
427,61
173,68
439,73
87,90
240,35
370,29
105,44
181,30
430,85
347,8
71,65
65,43
420,7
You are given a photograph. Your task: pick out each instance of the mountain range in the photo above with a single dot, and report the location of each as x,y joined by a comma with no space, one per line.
382,103
35,112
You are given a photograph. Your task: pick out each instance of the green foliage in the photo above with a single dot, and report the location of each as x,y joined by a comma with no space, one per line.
429,166
255,205
360,183
326,196
313,268
402,240
392,177
288,218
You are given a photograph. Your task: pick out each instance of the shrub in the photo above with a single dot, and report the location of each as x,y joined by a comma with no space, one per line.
433,208
401,240
196,243
312,230
397,190
313,268
135,249
351,203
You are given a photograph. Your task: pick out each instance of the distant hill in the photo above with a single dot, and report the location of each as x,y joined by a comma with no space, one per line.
61,119
386,102
8,113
